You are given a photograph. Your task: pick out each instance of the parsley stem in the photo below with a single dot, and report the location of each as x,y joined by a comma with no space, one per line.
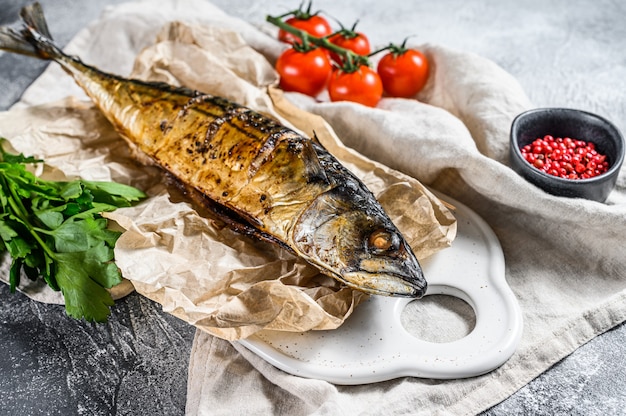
19,211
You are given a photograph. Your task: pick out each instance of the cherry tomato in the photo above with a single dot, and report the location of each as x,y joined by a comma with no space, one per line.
403,73
361,86
304,71
355,41
315,25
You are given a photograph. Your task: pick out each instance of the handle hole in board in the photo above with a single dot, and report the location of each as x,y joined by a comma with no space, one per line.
438,318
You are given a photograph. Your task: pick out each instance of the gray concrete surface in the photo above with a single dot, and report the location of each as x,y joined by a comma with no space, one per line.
564,53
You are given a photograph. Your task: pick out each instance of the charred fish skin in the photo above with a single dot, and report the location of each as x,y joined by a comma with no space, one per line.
266,177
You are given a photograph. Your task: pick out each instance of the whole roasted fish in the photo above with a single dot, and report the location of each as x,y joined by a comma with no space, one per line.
257,175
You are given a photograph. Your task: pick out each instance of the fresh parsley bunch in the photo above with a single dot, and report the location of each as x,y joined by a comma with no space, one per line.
54,230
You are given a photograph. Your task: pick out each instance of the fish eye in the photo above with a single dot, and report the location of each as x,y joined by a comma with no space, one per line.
382,240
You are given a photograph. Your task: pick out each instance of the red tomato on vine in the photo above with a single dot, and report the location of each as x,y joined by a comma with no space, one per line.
361,86
306,72
313,24
403,72
349,39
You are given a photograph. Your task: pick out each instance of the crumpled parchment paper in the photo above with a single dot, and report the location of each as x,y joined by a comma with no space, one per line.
221,282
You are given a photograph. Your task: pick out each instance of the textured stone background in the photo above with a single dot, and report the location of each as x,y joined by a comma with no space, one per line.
564,53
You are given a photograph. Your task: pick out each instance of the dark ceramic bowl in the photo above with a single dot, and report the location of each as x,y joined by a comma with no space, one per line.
565,122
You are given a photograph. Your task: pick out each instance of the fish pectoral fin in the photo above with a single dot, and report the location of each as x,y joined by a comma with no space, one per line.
315,172
316,140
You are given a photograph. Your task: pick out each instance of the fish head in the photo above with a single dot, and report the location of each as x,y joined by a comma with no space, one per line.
350,237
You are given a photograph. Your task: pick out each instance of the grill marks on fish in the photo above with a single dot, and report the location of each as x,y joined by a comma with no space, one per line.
248,123
236,156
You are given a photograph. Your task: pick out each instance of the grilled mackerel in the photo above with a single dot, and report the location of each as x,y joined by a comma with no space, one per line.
260,177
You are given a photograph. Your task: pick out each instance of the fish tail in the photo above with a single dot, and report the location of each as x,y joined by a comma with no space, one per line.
33,39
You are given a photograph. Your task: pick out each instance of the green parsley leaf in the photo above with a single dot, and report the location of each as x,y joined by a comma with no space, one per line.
54,230
51,218
6,232
84,296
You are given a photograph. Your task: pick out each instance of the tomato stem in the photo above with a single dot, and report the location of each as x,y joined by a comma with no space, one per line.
304,14
347,33
300,13
393,48
384,48
351,61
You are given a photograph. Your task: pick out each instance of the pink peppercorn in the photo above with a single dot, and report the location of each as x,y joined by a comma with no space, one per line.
565,157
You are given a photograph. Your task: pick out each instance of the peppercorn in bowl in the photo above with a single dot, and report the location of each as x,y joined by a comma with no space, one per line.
567,152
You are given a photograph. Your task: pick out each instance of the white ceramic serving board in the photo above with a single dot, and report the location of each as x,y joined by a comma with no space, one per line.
372,345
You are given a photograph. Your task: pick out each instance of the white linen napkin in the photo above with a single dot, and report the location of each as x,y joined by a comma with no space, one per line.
564,257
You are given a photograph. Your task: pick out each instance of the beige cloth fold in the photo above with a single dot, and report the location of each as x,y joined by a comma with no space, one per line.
564,257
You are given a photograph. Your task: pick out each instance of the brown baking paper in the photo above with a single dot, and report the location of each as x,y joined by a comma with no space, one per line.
232,286
224,283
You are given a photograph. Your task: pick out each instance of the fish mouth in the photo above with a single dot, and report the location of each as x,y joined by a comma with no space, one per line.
387,284
388,276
